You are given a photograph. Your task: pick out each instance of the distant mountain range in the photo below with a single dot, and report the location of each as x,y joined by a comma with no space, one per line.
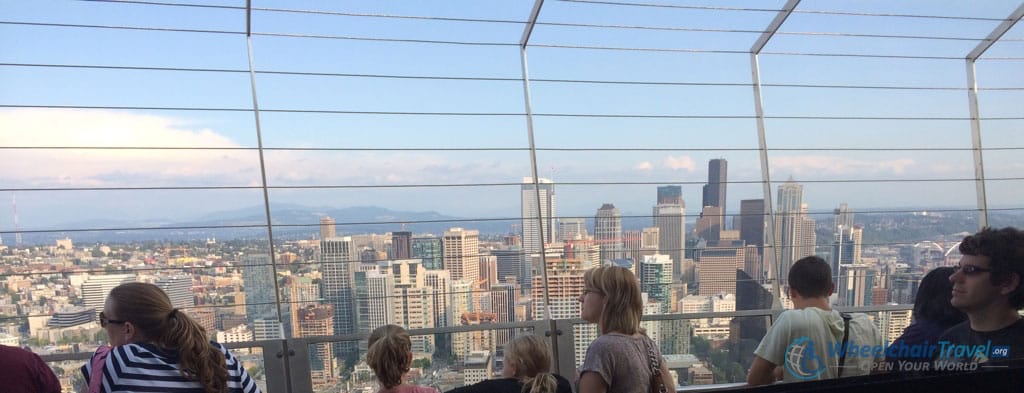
302,222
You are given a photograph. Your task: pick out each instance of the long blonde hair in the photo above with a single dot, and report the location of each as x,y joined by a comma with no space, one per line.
623,303
148,308
387,354
531,357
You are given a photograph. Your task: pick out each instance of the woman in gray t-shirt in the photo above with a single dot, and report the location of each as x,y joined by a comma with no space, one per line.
618,361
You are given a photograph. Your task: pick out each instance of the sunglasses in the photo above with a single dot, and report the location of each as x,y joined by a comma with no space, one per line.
104,321
971,270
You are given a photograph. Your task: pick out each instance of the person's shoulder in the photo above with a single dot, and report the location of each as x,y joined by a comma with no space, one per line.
1017,326
959,330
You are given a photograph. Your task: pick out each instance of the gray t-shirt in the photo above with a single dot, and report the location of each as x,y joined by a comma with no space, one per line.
622,362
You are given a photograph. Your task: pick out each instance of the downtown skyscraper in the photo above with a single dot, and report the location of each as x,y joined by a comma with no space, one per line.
714,190
670,218
532,241
794,231
608,232
337,259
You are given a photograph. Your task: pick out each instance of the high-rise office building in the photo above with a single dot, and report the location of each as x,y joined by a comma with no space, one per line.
429,250
572,229
670,219
564,285
794,231
298,292
96,288
717,267
752,221
854,285
374,299
656,280
709,224
846,247
608,232
313,321
440,283
512,263
538,218
179,289
842,217
501,301
714,190
461,253
338,257
414,309
670,195
258,278
401,245
327,228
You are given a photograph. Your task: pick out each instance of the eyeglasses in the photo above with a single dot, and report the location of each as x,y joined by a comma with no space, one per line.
104,321
971,270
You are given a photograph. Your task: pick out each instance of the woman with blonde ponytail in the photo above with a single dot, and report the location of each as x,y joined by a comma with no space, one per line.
527,369
389,354
156,346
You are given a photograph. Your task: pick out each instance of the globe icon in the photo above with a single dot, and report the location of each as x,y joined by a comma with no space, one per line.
802,361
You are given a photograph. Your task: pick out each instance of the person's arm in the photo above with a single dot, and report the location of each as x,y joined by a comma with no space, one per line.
666,375
762,372
591,382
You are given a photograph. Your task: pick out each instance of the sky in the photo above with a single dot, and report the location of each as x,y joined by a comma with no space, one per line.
376,152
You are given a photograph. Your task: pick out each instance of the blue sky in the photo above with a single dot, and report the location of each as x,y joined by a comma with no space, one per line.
698,139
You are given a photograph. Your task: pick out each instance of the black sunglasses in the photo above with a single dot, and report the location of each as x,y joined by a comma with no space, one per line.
104,321
971,270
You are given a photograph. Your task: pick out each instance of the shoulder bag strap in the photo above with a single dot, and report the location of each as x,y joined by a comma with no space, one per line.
655,361
96,371
846,336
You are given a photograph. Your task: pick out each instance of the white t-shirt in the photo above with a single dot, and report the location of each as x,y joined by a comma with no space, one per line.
789,341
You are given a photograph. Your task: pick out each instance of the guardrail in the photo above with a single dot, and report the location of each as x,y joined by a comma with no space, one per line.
287,366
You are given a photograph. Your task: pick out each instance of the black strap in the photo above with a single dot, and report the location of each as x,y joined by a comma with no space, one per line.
846,337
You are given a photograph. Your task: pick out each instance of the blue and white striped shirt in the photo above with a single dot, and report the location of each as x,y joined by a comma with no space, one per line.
146,368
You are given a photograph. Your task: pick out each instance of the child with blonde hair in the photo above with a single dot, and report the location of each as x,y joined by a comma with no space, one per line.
389,354
527,370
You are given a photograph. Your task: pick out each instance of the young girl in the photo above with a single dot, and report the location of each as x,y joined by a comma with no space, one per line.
389,354
527,370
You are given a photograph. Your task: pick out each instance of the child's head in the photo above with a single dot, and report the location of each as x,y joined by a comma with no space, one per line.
526,355
528,359
389,354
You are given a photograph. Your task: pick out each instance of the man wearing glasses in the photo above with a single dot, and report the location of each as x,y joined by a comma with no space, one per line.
987,287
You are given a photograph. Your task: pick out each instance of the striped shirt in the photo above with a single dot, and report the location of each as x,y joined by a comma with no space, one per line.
146,368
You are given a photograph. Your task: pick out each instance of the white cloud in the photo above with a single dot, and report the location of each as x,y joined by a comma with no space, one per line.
682,162
116,167
49,168
643,166
834,165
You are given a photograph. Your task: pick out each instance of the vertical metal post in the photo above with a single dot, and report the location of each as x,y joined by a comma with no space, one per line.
263,179
972,95
979,165
770,256
771,249
527,31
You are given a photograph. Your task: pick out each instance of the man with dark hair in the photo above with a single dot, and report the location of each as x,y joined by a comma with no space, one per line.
813,341
987,287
